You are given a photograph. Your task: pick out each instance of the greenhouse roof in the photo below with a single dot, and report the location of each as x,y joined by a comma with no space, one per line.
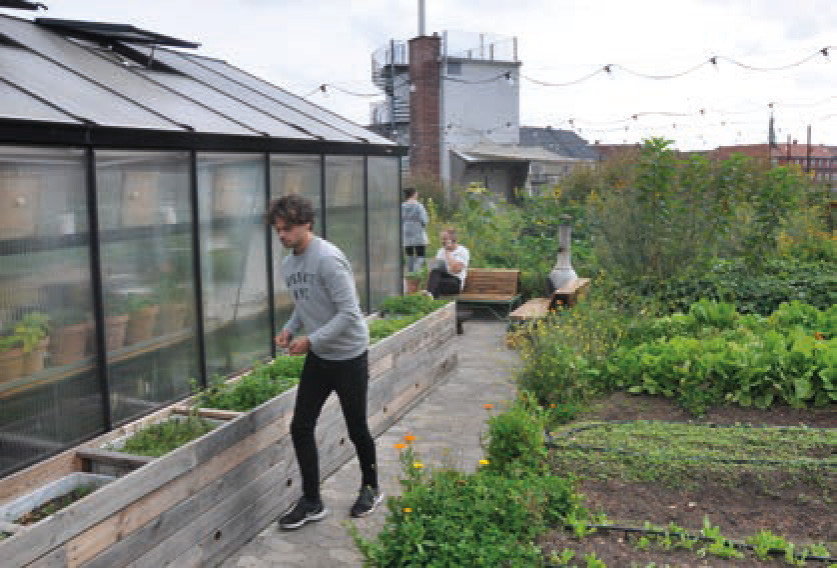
114,76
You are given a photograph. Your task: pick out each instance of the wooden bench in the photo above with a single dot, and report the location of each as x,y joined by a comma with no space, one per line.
491,288
568,296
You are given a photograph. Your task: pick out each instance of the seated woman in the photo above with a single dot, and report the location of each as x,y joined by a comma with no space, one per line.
447,278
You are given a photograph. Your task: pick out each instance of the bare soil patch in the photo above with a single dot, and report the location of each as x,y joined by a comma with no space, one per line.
752,505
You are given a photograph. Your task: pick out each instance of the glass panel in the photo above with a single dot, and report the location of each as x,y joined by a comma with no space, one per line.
290,173
49,390
252,117
293,101
345,218
113,73
276,108
146,252
237,325
74,94
17,104
384,232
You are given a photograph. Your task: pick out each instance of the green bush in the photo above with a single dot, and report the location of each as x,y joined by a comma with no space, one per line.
381,328
263,383
448,518
515,440
789,358
704,358
777,281
159,439
410,304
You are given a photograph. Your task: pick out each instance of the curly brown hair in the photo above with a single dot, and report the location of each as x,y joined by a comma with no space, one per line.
293,209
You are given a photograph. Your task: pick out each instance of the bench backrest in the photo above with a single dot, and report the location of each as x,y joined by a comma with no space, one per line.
500,281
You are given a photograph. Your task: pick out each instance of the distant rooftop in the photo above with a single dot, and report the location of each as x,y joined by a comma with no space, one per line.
564,142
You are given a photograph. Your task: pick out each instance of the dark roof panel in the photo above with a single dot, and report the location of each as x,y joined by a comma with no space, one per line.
564,142
17,103
103,31
108,75
254,118
187,66
287,98
110,72
72,94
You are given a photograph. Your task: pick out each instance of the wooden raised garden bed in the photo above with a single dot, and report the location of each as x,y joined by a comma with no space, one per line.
201,502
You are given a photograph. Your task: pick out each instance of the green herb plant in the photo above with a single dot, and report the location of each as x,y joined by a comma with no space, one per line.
263,383
161,438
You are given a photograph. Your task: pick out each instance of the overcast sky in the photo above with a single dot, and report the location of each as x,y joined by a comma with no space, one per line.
301,44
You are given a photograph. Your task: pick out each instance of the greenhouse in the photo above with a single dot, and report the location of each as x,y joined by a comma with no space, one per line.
134,175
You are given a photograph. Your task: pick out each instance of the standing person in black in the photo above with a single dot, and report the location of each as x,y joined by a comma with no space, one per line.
335,341
414,220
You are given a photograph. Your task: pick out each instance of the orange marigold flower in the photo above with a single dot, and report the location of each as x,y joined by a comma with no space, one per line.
818,335
488,406
409,438
400,446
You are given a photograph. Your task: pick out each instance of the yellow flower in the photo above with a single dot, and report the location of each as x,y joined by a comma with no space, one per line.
552,405
400,446
483,462
408,510
418,465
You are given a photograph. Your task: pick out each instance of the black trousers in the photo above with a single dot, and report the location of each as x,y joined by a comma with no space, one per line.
442,283
350,380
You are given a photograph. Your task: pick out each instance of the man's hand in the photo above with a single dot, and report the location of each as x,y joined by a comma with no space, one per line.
299,346
283,340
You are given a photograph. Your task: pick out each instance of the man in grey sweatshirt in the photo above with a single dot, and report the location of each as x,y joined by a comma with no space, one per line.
326,309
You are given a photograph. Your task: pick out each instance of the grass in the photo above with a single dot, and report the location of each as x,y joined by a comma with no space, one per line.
704,441
686,455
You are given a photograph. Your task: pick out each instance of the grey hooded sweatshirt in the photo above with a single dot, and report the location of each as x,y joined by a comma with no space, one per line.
322,285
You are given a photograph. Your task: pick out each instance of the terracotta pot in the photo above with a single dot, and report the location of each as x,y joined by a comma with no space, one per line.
141,325
34,360
172,317
68,343
412,284
11,364
115,327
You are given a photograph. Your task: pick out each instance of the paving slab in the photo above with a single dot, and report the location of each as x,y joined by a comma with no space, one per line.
448,424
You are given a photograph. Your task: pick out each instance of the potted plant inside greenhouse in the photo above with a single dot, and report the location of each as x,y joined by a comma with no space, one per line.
71,328
174,309
142,314
11,358
33,330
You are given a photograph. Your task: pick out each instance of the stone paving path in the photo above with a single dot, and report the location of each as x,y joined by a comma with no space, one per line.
448,425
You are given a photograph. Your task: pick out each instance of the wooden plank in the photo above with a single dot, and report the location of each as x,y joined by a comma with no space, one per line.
150,505
532,309
229,520
136,544
117,459
213,413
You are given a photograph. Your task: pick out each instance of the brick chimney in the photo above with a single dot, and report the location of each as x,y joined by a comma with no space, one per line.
425,52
